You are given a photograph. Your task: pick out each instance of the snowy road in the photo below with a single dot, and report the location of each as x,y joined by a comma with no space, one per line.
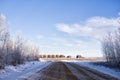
55,71
68,71
85,73
18,71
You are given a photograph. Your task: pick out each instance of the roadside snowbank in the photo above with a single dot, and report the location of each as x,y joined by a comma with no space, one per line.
103,69
13,72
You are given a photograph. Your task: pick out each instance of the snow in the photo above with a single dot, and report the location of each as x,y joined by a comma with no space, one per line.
106,70
14,72
69,60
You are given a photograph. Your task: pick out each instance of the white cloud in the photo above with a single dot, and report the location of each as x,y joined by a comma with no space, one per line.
73,29
66,28
95,27
102,22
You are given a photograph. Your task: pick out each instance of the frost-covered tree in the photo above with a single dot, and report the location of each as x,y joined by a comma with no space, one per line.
14,51
111,47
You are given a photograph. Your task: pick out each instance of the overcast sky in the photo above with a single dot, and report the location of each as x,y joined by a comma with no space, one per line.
66,27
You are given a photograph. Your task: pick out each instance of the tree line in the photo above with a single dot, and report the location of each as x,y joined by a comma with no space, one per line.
14,51
59,56
111,47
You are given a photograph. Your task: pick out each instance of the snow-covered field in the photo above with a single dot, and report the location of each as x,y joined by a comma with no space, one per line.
14,72
112,72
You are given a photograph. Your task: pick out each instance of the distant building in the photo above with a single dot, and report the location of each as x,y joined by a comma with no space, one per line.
78,56
69,56
61,56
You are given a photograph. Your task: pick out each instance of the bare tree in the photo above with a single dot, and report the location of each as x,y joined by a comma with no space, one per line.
111,47
4,37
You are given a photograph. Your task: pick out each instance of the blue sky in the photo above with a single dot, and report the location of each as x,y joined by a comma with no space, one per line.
66,27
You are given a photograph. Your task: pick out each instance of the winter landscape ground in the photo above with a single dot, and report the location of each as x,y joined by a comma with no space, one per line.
58,70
